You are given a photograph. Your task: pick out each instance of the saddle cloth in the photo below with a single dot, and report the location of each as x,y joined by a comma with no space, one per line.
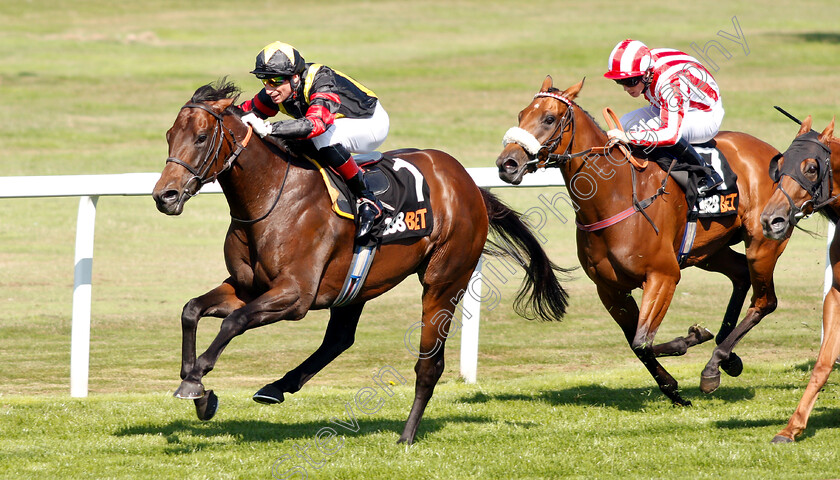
400,187
718,202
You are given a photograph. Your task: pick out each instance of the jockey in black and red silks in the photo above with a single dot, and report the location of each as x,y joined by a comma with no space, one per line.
337,113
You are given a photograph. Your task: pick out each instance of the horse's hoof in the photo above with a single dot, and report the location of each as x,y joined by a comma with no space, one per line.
781,439
269,395
189,391
732,366
206,406
702,333
709,384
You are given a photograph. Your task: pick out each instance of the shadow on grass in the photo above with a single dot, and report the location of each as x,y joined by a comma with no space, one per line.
178,433
627,399
813,37
821,418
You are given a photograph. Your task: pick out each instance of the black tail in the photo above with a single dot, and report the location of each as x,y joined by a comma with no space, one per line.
541,295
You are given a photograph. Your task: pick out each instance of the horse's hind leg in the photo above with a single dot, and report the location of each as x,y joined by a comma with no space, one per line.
340,335
680,345
733,265
762,255
439,302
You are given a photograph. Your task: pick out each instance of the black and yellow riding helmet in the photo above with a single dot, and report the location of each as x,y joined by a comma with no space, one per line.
278,59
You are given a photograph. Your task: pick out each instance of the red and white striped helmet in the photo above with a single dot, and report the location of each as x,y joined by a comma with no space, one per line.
630,58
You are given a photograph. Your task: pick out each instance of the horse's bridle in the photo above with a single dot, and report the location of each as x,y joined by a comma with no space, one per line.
544,156
802,147
200,174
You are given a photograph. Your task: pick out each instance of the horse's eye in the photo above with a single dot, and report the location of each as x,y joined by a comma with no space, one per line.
201,139
811,169
550,119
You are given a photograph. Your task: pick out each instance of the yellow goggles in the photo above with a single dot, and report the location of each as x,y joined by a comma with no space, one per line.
274,81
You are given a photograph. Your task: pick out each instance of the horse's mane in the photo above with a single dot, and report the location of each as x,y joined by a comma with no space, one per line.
828,212
560,92
219,90
223,89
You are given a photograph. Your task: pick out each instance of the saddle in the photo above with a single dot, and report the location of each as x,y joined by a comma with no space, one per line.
400,187
717,202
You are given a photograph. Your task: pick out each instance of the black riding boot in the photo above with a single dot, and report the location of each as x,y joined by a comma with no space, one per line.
684,152
370,209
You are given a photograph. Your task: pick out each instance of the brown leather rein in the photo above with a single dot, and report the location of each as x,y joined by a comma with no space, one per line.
546,157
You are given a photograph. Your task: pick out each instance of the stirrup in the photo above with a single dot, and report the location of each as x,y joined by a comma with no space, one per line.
366,222
702,190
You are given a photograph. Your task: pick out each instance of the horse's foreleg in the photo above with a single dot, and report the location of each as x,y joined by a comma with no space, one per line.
340,335
763,302
219,302
658,292
623,308
438,307
829,350
276,304
733,265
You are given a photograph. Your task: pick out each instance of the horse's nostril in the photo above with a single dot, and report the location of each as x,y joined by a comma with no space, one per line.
510,165
169,196
777,221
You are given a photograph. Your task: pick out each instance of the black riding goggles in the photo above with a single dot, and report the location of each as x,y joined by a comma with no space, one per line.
628,82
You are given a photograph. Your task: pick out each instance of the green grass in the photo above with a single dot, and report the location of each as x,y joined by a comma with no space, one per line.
90,87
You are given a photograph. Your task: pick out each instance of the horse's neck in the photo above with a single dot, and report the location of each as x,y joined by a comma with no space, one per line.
596,183
255,180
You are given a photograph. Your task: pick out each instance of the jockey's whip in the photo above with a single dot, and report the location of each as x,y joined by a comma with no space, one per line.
782,110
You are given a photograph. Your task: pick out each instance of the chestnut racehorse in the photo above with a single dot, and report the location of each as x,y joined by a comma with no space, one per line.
805,185
288,253
631,253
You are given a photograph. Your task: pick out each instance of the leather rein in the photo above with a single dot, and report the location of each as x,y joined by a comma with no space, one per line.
546,157
201,174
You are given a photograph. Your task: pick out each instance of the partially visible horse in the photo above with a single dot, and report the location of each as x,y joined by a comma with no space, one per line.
621,250
806,185
288,253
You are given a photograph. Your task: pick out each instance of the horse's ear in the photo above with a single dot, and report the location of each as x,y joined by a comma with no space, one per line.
222,104
806,126
774,171
547,84
826,134
572,92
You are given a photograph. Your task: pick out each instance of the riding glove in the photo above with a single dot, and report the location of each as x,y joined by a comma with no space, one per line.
259,125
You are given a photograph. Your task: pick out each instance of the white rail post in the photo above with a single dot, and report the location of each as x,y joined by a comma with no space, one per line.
82,280
469,326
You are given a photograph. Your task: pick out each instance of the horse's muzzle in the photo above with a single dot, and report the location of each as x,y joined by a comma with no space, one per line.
510,170
775,224
170,202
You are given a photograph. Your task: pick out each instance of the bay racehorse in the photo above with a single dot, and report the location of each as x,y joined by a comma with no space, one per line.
620,255
808,181
288,253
